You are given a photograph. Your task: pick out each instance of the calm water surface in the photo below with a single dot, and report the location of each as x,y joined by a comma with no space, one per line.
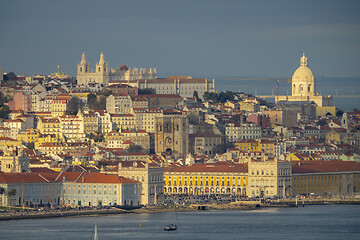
310,222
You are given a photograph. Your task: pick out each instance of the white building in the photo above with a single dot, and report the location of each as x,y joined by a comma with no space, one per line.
304,87
269,178
103,74
72,127
185,86
69,189
236,131
116,103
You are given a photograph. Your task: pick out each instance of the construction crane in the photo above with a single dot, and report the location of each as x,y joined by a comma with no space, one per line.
264,79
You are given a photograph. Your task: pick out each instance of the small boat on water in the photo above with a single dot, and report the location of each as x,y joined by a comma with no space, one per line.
171,227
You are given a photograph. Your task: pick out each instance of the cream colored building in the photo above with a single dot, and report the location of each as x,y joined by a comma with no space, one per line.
150,176
185,86
123,121
268,178
116,103
103,74
145,118
14,160
72,128
90,121
138,137
304,87
49,126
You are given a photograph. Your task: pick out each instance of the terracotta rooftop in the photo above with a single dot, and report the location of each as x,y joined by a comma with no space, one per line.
324,166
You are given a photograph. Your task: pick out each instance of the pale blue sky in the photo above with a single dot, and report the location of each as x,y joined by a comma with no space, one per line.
198,38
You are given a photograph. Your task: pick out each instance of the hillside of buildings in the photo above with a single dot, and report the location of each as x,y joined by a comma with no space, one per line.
125,137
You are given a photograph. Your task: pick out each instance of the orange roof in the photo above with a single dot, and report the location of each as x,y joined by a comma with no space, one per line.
324,166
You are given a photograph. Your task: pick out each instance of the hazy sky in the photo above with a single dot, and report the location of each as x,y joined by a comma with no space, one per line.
198,38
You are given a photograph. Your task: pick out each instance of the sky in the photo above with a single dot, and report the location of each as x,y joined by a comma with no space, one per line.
198,38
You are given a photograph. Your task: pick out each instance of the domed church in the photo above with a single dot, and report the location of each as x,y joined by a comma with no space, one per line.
304,87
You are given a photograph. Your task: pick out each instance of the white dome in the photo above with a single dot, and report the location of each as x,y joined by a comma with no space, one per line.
303,73
303,80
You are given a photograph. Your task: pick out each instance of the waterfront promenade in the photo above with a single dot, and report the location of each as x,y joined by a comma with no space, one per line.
249,204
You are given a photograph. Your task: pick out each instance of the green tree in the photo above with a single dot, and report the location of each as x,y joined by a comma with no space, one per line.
4,112
96,102
196,95
75,105
339,113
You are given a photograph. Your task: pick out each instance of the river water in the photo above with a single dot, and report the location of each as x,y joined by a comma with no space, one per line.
309,222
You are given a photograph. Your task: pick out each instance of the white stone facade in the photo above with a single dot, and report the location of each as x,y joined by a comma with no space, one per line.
103,74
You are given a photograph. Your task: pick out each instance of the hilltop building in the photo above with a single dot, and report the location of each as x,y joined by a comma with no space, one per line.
103,74
304,87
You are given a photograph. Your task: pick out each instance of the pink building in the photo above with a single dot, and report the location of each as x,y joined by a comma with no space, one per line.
21,102
260,119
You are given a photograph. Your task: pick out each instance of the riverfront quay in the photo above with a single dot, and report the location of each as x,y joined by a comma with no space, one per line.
18,214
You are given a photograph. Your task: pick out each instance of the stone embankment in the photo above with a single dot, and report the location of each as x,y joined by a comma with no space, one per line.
237,205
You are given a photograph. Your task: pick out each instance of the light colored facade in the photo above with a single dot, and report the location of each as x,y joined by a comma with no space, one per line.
236,131
49,126
103,74
269,178
72,128
104,121
91,122
68,189
325,177
14,124
151,178
113,139
220,178
304,87
138,137
172,134
123,121
98,189
145,118
14,160
30,189
201,144
182,85
118,104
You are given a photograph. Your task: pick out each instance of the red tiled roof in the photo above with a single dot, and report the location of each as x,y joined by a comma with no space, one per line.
324,166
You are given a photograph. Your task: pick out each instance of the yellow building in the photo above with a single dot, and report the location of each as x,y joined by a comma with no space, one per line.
49,126
29,135
45,138
322,111
325,177
9,142
298,156
204,179
260,145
